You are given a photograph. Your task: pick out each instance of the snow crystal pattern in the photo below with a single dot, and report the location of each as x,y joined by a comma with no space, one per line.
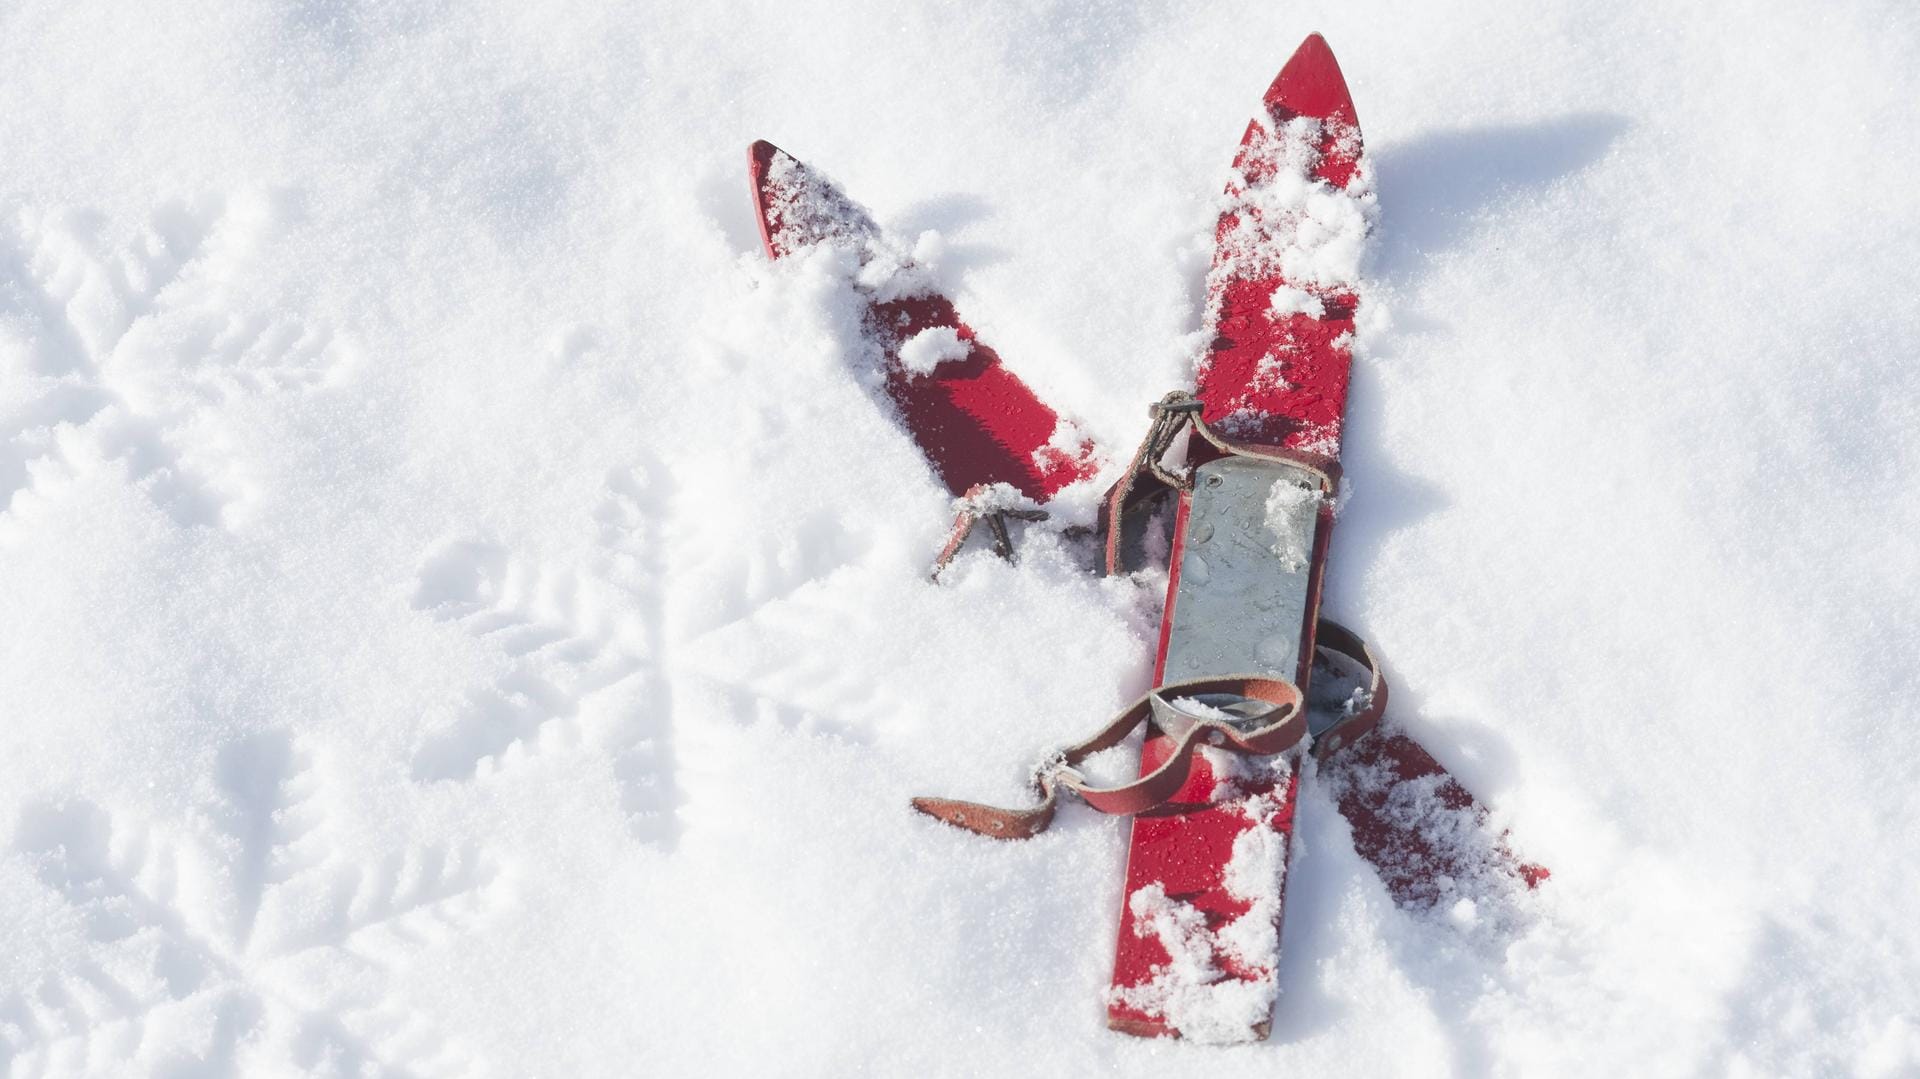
129,339
584,647
229,948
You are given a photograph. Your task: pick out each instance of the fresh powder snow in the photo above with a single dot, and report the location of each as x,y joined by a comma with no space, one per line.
462,612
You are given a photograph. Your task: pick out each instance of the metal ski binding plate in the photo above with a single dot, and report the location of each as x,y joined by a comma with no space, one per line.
1246,570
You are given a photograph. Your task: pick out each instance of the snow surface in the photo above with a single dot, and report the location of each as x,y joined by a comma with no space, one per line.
460,615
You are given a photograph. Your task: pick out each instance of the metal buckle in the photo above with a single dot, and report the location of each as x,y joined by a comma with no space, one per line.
1243,714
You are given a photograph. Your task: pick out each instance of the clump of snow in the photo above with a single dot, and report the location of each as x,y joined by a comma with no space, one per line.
931,347
1240,423
1191,992
1464,914
812,212
1290,510
1067,447
928,248
1286,221
1288,300
995,498
1201,710
1270,375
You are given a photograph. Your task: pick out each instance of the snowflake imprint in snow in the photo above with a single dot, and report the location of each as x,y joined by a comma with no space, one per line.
258,948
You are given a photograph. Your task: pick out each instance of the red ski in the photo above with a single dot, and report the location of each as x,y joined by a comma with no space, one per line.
1194,955
1199,932
1199,938
977,422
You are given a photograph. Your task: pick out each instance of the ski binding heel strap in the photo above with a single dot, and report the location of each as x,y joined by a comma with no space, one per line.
1245,714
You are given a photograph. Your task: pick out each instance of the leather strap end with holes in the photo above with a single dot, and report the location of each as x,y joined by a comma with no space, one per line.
988,820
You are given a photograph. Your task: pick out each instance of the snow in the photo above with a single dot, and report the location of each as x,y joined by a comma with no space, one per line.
1288,300
1067,446
1286,220
930,348
461,611
1191,992
1290,508
994,498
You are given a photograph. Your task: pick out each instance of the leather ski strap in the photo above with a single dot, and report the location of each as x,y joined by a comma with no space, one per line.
1146,478
1266,716
1362,714
1284,724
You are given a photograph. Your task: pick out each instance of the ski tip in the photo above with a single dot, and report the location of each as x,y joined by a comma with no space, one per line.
1311,85
760,159
761,154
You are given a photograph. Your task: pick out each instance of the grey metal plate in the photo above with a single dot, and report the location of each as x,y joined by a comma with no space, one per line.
1241,604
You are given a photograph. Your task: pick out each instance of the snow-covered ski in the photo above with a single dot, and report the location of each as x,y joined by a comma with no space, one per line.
1200,925
976,421
1199,939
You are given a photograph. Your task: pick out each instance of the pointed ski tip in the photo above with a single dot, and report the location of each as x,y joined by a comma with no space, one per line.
1310,85
1313,56
760,158
762,154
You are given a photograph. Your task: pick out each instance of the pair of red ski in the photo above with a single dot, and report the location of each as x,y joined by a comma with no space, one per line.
1199,930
